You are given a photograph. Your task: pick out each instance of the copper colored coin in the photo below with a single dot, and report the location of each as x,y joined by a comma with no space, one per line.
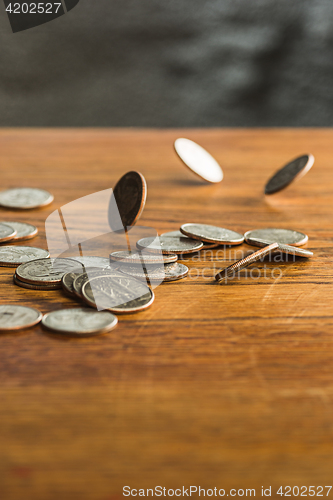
127,201
142,258
29,286
294,170
240,264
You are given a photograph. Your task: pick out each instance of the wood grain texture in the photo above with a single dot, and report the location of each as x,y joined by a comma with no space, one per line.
226,386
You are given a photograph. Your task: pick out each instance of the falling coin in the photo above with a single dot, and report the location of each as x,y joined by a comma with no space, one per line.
169,244
212,234
25,198
46,271
254,257
13,317
79,322
23,230
13,256
127,201
142,258
272,235
288,249
6,232
197,159
169,272
294,170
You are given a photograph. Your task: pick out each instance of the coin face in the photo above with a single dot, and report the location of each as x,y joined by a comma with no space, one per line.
46,271
23,230
198,160
129,195
288,249
6,232
271,235
169,272
117,294
286,175
93,261
173,234
169,244
67,282
80,321
13,317
212,234
142,258
30,286
13,256
82,278
25,198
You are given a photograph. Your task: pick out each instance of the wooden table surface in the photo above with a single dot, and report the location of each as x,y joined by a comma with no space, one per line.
226,386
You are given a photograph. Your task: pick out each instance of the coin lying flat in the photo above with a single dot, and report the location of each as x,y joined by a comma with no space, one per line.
6,232
288,249
294,170
169,272
123,294
82,278
25,198
272,235
30,286
173,234
212,234
23,230
240,264
129,196
46,271
93,261
13,317
13,256
142,258
169,244
197,159
80,321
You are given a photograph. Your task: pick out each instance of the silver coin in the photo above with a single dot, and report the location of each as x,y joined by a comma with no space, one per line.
272,235
198,160
212,234
47,271
93,261
173,234
169,244
13,317
117,294
288,249
23,230
29,286
67,282
294,170
178,234
169,272
80,321
13,256
82,278
6,232
142,258
25,198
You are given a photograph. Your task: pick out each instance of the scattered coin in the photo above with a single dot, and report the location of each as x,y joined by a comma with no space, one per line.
6,232
173,234
142,258
31,286
129,196
67,282
93,261
198,160
212,234
25,198
169,244
13,317
286,175
169,272
82,278
117,294
178,234
46,271
80,321
288,249
272,235
13,256
23,230
240,264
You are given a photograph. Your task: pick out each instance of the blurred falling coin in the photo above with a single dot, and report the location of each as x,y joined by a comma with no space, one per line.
197,159
272,235
13,256
294,170
23,230
169,272
79,322
13,317
142,258
169,244
6,232
127,201
212,234
25,198
288,249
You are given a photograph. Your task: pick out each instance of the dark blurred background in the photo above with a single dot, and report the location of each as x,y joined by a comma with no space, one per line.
171,64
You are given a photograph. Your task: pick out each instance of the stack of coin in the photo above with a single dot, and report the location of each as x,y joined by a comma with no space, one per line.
16,231
44,274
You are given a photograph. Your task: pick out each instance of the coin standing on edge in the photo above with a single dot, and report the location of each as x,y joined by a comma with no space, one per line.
13,317
129,196
293,171
169,244
13,256
6,232
212,234
23,230
197,159
272,235
80,321
25,198
142,258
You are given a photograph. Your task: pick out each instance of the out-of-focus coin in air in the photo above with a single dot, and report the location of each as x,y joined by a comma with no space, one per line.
47,271
79,322
169,272
23,230
25,198
13,256
13,317
240,264
6,232
169,244
128,200
288,249
142,258
123,294
272,235
212,234
198,160
286,175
